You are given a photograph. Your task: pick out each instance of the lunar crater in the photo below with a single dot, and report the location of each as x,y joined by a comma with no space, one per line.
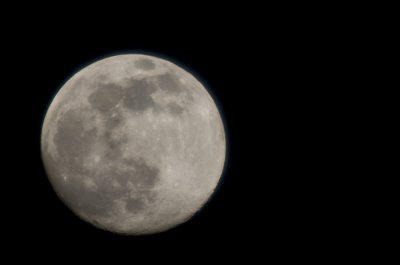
145,64
74,139
105,97
175,108
134,205
170,83
137,96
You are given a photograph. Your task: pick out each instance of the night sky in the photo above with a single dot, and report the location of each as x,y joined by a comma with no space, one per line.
269,80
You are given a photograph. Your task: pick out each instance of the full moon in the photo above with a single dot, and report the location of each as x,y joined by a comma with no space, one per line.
133,144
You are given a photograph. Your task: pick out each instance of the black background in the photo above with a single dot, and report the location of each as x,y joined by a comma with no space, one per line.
265,72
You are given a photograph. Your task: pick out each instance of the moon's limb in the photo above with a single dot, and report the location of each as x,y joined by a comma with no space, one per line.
133,144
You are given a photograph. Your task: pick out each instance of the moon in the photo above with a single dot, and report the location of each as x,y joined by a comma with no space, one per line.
133,144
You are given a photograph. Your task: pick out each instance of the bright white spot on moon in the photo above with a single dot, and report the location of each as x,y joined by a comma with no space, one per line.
133,144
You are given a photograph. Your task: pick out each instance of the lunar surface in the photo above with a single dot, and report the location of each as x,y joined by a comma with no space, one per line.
133,144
